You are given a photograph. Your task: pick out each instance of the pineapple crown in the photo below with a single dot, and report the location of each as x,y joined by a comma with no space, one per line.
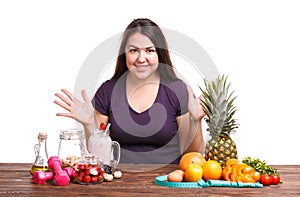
217,103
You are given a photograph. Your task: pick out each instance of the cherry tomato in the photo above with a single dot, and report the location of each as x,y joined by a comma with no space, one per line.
94,179
79,179
87,172
265,179
87,179
275,179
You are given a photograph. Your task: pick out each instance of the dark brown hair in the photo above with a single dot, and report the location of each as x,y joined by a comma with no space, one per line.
154,33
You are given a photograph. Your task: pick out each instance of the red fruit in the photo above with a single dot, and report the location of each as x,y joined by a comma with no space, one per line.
94,179
87,172
80,166
103,126
87,179
79,179
100,171
82,173
275,179
75,175
265,179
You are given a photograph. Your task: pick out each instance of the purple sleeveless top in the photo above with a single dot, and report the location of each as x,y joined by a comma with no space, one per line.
150,136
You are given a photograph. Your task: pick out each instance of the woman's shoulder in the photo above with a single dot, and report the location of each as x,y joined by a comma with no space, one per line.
175,85
108,85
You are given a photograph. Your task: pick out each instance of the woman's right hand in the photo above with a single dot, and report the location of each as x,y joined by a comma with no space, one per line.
82,112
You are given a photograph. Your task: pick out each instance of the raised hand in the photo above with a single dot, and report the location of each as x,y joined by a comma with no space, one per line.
82,112
194,106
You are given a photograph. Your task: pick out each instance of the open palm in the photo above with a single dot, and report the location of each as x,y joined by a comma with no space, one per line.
82,112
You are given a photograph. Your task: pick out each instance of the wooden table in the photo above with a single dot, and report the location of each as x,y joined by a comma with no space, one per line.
137,180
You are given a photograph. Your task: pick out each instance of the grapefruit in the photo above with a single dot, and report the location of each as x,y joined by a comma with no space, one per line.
191,157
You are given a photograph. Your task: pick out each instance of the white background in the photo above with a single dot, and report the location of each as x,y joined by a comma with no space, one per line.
44,43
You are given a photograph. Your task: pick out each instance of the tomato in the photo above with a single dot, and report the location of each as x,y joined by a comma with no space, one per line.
94,179
265,179
79,179
87,179
82,173
275,179
87,172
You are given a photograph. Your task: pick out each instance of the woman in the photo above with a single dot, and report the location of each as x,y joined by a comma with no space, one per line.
153,114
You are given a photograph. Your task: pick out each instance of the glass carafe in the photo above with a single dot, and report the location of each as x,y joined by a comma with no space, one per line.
41,160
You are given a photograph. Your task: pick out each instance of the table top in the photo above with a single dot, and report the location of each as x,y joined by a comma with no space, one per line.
137,180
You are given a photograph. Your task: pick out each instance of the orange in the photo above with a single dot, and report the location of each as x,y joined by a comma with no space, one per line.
191,157
193,173
212,170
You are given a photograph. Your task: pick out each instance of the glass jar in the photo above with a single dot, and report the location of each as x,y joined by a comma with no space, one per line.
88,171
72,146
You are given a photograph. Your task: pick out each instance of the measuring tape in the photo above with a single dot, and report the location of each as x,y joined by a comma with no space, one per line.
162,181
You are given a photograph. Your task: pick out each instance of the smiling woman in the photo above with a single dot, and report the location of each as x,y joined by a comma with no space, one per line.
153,114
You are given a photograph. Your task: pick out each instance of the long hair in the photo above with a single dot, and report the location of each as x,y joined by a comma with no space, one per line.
154,33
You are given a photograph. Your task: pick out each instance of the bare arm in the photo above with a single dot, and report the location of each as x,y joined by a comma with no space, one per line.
190,127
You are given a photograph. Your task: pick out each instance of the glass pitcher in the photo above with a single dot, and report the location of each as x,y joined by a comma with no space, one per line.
101,145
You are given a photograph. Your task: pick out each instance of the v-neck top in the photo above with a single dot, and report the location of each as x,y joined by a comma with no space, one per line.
150,136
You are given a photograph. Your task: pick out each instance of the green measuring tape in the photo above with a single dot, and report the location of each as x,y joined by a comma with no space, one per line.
162,181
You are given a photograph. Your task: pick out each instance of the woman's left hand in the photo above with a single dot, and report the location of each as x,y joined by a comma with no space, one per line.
194,106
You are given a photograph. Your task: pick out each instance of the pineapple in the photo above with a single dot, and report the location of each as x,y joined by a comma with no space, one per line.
217,103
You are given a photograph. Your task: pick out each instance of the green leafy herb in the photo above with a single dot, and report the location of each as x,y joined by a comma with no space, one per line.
260,166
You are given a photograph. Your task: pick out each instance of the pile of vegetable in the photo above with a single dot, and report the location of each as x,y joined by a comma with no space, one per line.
268,174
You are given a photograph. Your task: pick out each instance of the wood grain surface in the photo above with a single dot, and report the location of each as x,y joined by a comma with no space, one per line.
137,180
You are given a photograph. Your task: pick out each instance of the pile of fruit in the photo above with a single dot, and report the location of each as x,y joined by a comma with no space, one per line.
87,173
220,160
90,173
193,167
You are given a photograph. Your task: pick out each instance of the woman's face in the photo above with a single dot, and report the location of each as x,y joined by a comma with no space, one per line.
141,56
